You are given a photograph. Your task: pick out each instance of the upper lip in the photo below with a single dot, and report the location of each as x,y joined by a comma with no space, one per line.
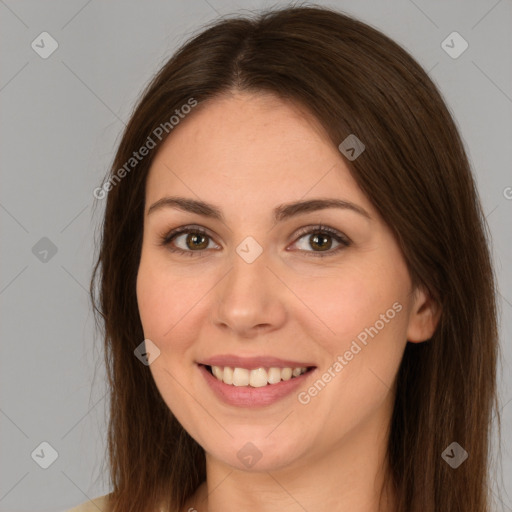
253,362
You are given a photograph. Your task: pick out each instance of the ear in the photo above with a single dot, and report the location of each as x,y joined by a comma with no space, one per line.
424,317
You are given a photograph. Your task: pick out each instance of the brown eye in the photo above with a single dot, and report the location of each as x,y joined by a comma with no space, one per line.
323,242
320,239
196,241
190,241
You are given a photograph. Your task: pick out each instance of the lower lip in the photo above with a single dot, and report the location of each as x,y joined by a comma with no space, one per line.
247,396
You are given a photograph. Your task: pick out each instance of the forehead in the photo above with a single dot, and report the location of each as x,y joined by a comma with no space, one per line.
255,145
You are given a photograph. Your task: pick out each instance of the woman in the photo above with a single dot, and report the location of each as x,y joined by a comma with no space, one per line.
295,281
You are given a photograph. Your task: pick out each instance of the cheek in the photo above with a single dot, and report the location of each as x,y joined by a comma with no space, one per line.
358,312
165,303
341,304
152,302
364,324
166,300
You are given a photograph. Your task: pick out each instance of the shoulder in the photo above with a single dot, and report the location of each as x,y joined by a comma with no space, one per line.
94,505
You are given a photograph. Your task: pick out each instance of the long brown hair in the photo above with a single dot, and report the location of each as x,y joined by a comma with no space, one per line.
415,171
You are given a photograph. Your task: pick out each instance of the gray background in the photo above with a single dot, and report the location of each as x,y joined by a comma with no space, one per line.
61,120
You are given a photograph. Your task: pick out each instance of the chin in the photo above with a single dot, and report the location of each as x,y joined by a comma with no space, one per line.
258,453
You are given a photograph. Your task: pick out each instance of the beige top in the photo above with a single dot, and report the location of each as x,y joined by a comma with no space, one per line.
98,504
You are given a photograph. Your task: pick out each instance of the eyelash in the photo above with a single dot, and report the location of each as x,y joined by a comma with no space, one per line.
309,230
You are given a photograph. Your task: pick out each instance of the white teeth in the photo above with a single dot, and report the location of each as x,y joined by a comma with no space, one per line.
255,378
226,376
258,378
274,375
286,373
240,377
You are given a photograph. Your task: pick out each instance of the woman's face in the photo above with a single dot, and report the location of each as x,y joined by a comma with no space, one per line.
263,282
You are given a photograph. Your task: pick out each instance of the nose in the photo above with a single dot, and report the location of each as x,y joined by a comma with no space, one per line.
250,300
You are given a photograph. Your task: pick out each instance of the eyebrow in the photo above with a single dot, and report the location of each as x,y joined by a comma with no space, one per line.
281,212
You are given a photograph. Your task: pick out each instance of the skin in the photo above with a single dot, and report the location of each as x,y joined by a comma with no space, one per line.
246,154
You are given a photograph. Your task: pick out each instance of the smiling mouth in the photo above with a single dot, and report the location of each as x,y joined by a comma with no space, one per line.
256,378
